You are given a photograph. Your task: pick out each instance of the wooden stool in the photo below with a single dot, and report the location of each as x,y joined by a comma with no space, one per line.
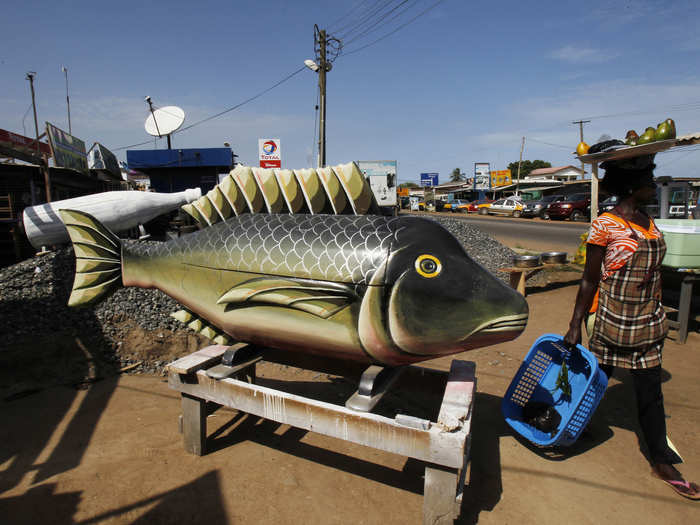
518,276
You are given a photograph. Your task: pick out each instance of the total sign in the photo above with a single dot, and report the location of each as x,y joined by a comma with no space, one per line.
270,153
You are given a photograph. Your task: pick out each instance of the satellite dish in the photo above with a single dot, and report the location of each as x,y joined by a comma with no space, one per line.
163,121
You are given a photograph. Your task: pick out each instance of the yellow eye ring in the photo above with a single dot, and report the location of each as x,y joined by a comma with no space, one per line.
428,266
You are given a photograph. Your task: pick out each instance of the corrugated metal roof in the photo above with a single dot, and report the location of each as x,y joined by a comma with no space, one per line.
687,140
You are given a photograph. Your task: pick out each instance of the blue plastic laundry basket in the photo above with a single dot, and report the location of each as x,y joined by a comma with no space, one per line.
536,380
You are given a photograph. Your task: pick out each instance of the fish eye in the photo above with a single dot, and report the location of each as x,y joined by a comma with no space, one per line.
428,266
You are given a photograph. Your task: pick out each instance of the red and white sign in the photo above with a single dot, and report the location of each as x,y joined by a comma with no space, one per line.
22,143
270,153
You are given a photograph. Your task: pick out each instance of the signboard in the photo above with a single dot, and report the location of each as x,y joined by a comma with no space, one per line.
482,176
429,179
500,178
270,153
67,150
21,147
100,158
381,175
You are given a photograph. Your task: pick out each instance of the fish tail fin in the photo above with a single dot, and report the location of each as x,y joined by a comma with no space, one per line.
97,258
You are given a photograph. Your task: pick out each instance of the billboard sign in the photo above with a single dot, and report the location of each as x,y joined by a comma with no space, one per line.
22,144
500,178
67,150
270,152
429,179
100,158
482,176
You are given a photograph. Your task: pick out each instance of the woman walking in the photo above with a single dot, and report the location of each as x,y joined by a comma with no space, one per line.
620,299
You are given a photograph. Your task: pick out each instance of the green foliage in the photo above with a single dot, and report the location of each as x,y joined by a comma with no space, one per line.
526,167
457,175
409,185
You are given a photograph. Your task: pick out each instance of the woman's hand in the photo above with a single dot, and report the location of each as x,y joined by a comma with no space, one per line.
573,336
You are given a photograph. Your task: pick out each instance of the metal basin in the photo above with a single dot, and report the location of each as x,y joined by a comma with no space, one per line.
526,261
554,257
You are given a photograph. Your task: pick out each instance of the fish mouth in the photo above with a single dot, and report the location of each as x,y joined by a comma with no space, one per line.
508,323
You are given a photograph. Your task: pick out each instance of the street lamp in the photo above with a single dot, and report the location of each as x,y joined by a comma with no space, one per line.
65,72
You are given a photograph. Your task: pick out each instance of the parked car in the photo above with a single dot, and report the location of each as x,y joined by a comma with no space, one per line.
476,205
509,206
539,207
574,207
457,205
608,204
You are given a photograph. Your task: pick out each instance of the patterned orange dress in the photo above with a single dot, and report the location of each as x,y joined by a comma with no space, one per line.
630,324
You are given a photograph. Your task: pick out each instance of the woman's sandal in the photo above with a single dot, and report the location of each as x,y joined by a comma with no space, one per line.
676,486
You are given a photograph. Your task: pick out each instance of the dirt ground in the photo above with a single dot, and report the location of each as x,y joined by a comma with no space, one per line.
107,450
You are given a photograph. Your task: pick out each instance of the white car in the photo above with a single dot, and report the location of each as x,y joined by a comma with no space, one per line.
508,206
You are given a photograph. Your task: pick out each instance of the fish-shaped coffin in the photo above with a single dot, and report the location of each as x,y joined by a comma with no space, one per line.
368,288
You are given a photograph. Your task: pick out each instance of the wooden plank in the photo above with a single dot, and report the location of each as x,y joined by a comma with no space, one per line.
440,495
434,445
200,359
194,424
455,411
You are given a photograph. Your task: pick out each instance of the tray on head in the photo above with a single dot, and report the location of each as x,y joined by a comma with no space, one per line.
625,152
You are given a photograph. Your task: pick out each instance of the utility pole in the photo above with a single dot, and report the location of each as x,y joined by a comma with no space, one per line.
65,72
580,127
517,180
44,166
323,67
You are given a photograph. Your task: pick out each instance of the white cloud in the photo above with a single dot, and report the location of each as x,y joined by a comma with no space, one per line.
582,55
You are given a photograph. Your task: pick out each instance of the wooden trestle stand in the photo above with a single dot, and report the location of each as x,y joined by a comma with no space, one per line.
443,445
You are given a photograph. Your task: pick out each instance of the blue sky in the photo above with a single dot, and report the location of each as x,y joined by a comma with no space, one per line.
461,84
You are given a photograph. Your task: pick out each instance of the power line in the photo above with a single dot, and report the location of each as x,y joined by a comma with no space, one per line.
395,30
352,9
371,12
549,143
244,102
250,99
373,27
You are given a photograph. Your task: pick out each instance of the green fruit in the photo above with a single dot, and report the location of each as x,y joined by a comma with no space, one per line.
647,137
663,132
672,127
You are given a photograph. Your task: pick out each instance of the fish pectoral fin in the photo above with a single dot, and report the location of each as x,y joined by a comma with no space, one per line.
318,298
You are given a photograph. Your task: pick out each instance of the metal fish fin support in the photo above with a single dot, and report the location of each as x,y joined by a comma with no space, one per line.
98,257
194,213
357,189
311,188
291,191
243,176
334,191
270,189
229,190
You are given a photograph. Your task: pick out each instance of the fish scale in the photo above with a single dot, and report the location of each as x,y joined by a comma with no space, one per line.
327,247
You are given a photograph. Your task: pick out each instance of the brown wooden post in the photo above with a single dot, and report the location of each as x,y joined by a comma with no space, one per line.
194,424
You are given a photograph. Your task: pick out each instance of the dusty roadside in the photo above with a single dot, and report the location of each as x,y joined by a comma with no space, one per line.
108,451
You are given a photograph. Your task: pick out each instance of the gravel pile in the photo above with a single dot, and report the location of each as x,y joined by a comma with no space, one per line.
34,296
488,252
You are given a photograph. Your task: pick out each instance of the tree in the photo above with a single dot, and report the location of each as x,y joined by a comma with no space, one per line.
526,167
457,175
409,185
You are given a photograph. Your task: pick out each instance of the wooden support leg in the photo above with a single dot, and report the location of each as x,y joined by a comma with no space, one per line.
439,495
194,424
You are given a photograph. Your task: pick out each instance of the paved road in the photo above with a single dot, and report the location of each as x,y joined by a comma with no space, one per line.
530,234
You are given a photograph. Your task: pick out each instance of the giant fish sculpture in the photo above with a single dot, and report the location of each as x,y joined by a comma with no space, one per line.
374,289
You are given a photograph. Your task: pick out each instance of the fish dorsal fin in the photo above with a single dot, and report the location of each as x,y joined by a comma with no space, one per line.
318,298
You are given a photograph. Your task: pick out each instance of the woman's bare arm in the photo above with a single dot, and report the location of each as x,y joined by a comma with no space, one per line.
586,292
